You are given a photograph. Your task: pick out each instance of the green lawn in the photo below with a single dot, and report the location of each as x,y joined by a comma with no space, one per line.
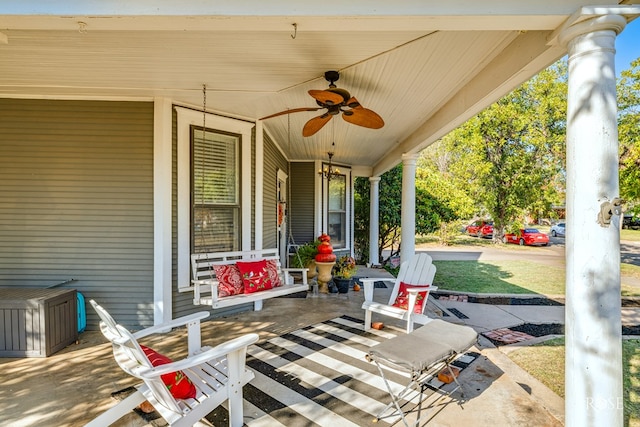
512,277
504,277
545,362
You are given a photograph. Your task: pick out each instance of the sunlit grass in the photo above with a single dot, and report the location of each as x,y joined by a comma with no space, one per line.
512,277
630,235
545,362
504,277
630,270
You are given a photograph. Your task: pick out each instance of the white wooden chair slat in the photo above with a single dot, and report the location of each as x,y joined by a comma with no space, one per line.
218,373
206,384
418,272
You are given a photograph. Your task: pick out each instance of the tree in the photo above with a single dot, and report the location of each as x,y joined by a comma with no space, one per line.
629,134
434,176
430,212
510,158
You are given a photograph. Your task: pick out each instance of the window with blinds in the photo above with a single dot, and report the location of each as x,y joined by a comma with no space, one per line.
215,184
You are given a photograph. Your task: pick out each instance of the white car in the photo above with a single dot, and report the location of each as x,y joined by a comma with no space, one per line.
557,230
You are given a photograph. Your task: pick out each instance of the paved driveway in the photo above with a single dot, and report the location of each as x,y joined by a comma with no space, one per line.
553,254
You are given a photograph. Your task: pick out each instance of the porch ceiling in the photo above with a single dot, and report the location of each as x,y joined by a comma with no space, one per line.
424,67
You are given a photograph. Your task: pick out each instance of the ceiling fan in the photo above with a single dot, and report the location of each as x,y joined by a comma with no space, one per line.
336,101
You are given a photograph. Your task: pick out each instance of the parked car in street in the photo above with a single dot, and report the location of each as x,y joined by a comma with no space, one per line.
629,221
527,236
557,230
480,228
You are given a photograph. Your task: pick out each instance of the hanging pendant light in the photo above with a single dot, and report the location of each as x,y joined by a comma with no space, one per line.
330,171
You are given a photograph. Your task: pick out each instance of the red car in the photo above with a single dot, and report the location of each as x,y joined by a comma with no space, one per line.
527,236
480,228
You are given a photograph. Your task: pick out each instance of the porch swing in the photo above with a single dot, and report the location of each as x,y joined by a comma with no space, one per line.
253,275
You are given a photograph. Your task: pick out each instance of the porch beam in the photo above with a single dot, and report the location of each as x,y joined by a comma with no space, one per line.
335,15
500,76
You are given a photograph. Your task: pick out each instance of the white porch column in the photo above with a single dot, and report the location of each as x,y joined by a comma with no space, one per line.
593,378
162,164
259,197
374,219
408,208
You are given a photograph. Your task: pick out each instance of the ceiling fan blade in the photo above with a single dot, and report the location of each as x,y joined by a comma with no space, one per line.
363,117
352,103
326,97
294,110
315,124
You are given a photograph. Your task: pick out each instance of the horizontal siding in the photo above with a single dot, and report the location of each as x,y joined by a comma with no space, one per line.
76,201
301,212
273,160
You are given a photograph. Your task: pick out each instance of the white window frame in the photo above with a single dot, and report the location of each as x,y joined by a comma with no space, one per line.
185,119
324,206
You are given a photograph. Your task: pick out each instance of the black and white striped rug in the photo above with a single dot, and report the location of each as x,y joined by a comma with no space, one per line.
318,376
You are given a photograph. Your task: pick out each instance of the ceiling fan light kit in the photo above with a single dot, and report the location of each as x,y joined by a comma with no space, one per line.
335,100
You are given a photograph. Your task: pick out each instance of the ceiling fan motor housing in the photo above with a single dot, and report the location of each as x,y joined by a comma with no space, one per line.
331,77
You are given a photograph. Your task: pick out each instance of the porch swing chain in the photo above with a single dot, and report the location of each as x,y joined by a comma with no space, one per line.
202,164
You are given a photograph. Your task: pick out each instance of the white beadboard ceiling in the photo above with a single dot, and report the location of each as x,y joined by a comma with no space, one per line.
424,74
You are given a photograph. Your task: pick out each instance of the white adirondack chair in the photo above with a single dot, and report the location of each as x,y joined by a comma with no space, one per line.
218,373
418,272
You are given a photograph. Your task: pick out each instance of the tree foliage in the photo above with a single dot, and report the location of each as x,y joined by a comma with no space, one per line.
629,134
509,159
506,163
430,212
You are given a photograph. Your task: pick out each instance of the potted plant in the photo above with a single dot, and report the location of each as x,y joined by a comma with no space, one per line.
305,257
343,273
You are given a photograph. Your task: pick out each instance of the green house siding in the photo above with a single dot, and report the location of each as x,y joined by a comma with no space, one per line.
273,161
76,201
302,203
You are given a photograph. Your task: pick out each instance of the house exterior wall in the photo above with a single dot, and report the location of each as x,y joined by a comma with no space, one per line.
76,187
76,202
302,204
273,161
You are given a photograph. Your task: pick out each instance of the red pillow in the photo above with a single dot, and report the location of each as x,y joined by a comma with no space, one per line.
272,272
402,300
255,276
178,384
229,280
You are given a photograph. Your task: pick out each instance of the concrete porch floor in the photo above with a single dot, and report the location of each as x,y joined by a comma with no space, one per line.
74,385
